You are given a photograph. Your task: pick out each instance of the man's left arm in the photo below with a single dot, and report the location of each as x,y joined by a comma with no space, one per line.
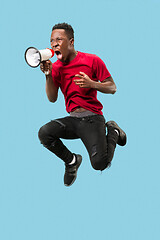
106,86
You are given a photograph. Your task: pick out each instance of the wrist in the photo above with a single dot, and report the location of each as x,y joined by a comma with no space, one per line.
94,85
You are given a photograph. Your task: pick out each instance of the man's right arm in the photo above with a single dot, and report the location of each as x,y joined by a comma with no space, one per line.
51,89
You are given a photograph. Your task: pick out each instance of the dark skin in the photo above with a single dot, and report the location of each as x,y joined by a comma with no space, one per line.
64,49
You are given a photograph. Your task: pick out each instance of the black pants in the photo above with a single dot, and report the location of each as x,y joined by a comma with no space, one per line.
91,130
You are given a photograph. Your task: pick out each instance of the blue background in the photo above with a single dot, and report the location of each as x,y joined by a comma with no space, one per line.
122,202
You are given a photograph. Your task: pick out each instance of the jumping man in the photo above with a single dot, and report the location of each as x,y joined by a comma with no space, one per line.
79,76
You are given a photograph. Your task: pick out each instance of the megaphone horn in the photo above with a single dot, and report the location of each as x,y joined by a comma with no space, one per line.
34,57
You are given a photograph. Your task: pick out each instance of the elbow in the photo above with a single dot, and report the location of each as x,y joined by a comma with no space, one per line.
52,97
53,100
114,90
113,87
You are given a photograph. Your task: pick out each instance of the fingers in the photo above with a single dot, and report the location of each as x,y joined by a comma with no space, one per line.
81,75
45,66
79,82
42,67
83,80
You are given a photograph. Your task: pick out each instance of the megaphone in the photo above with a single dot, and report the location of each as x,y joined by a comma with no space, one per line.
34,57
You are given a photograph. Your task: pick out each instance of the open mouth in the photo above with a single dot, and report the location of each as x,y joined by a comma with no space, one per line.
58,54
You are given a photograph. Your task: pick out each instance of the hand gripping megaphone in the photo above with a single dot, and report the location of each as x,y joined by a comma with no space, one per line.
34,57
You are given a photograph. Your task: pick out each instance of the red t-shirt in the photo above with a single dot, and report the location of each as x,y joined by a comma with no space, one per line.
63,75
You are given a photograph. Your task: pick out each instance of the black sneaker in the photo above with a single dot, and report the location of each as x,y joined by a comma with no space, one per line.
71,171
122,136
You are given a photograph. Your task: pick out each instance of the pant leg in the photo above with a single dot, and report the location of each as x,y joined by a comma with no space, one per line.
112,138
100,147
50,135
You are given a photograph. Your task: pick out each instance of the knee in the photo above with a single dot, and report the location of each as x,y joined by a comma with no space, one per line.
99,163
43,134
96,166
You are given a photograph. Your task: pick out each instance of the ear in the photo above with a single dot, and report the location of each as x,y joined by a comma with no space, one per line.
72,41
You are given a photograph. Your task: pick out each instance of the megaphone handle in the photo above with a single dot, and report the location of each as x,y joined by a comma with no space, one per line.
46,72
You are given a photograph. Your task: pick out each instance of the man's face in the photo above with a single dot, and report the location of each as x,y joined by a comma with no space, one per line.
61,44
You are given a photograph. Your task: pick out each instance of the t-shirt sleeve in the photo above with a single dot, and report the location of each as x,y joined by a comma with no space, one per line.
100,70
55,76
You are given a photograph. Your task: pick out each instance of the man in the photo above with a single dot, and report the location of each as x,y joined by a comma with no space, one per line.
79,76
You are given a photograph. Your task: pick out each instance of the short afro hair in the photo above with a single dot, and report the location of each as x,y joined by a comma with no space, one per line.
68,29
